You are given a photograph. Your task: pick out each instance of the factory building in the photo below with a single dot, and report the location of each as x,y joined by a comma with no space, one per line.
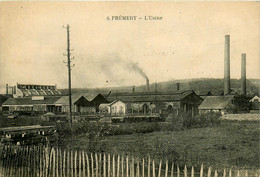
83,103
159,102
29,90
79,104
222,104
27,104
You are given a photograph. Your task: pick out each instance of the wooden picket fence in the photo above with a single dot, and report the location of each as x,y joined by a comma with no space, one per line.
40,161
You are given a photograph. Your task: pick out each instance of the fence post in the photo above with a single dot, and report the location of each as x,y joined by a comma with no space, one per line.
178,171
46,162
216,173
230,173
185,171
113,163
34,169
118,165
224,173
57,165
71,163
79,163
122,165
209,172
40,160
238,174
192,171
28,165
153,169
166,168
160,166
108,166
100,165
83,164
201,171
172,169
149,162
88,165
133,167
53,162
246,175
75,163
137,169
64,162
104,165
68,163
96,159
127,166
143,167
92,165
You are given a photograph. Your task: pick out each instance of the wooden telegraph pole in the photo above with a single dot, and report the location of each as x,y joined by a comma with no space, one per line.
68,54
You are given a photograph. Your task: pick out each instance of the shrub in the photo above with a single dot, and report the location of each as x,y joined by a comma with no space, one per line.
185,120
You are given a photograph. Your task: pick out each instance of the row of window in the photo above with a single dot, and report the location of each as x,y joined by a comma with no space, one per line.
36,87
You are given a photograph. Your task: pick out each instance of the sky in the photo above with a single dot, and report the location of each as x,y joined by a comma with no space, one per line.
187,43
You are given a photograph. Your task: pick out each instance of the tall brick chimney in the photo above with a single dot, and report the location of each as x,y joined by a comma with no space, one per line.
243,74
227,65
6,89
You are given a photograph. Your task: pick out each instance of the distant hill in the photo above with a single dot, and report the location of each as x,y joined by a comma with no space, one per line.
198,85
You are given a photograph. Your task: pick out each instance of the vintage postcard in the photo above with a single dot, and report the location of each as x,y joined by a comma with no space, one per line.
123,88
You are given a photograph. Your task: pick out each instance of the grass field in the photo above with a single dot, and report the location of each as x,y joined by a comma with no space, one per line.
232,144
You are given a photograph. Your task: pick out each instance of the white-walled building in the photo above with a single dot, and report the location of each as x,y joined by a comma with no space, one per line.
114,108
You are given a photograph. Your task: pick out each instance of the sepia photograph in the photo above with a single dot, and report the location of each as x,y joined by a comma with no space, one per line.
129,89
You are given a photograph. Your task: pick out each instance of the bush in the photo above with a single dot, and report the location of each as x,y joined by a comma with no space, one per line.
185,120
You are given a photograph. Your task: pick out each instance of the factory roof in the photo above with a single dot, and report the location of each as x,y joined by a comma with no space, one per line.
91,96
3,98
64,100
35,92
216,102
150,96
111,103
29,101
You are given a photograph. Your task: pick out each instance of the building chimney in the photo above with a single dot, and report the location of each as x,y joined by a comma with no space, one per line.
156,87
14,89
243,74
147,84
227,65
6,89
133,89
178,86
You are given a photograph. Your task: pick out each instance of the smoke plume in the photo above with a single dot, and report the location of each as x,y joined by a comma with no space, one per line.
127,64
136,68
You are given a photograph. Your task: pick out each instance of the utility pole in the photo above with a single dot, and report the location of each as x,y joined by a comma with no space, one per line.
68,54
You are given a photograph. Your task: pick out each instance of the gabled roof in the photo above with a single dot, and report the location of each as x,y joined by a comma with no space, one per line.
255,98
216,102
64,100
90,96
3,98
203,93
150,96
28,101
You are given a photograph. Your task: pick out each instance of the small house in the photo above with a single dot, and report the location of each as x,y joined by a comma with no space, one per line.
114,108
